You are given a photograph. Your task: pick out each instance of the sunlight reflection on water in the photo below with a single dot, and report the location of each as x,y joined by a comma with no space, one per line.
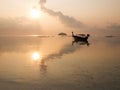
36,56
59,61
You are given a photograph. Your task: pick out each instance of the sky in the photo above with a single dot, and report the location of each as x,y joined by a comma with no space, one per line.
65,16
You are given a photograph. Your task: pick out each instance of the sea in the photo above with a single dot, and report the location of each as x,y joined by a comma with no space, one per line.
34,62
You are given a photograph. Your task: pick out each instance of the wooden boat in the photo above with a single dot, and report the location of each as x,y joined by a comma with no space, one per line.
80,37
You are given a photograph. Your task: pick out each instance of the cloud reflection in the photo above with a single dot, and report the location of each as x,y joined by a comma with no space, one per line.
67,49
39,50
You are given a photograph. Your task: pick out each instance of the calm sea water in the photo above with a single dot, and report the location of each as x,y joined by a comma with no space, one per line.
59,63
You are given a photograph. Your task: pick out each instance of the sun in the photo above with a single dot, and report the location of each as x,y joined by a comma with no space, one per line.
35,13
36,56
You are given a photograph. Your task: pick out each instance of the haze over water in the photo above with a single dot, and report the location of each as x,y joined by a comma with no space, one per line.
56,63
38,50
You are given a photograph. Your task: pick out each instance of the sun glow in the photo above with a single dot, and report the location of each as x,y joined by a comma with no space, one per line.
35,13
36,56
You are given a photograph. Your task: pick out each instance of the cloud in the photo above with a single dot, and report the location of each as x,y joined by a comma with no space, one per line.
66,20
42,2
19,25
114,26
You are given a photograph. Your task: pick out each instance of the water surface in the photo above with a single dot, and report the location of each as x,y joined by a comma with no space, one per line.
58,63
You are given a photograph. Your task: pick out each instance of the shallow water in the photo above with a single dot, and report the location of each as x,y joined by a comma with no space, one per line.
58,63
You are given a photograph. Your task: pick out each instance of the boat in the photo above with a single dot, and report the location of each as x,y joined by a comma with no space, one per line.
80,37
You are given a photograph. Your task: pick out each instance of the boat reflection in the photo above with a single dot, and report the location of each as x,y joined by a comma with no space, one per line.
66,49
80,42
35,52
55,62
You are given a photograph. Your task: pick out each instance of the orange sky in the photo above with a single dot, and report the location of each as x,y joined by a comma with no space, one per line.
93,13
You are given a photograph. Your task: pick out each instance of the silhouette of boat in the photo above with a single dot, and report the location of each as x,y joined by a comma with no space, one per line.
80,37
